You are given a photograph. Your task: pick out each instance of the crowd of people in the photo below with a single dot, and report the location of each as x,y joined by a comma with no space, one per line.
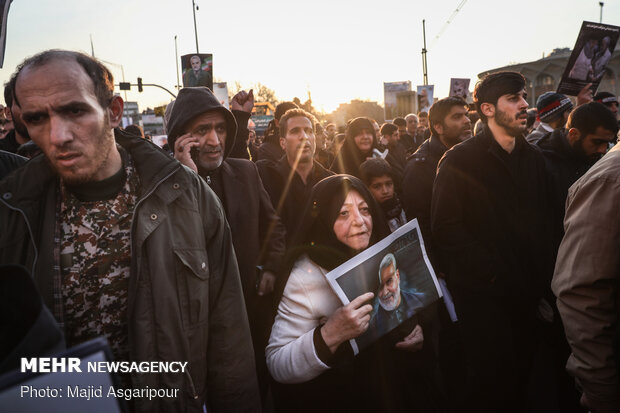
214,250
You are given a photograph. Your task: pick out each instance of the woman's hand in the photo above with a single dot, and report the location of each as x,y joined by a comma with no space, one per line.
413,342
347,322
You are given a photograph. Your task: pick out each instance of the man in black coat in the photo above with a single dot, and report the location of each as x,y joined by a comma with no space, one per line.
290,180
201,132
570,152
10,161
19,134
490,223
449,125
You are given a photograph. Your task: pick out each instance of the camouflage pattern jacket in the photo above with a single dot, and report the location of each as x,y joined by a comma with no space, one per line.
185,301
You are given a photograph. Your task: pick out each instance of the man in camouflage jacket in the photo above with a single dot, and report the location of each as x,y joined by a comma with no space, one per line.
183,299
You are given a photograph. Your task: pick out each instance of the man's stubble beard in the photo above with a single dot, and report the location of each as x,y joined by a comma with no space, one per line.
503,120
105,140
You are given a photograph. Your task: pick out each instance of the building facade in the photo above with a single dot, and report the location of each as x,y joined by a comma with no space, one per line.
544,75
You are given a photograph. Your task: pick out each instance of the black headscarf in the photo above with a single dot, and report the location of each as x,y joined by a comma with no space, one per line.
350,157
316,235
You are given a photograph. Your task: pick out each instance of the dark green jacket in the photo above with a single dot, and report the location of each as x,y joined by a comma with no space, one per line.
185,301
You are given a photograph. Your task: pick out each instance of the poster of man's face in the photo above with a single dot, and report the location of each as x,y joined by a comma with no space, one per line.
425,97
197,70
459,88
399,275
588,61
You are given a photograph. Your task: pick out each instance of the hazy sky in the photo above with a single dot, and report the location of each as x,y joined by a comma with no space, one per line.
337,49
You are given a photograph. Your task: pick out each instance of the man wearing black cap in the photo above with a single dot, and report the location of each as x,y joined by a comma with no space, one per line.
490,227
553,109
202,132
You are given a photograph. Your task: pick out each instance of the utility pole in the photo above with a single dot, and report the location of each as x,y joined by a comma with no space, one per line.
176,53
424,66
600,3
194,8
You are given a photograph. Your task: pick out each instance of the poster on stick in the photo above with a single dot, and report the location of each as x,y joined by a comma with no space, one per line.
459,87
197,70
588,61
4,6
390,92
425,97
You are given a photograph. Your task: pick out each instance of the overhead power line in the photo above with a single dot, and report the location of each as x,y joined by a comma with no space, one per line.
447,23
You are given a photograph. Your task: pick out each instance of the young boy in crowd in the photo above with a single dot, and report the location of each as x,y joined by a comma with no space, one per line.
378,177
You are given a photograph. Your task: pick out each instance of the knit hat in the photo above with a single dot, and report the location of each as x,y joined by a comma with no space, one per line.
194,101
551,105
605,98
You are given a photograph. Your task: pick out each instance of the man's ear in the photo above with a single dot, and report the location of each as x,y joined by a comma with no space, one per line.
573,135
115,111
487,109
283,143
438,127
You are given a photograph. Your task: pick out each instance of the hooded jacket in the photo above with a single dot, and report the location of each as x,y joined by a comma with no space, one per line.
257,233
192,102
184,300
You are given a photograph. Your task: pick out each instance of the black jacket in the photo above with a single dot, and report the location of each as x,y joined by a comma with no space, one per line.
418,183
564,166
413,143
240,146
10,161
289,202
257,233
9,142
399,154
490,216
